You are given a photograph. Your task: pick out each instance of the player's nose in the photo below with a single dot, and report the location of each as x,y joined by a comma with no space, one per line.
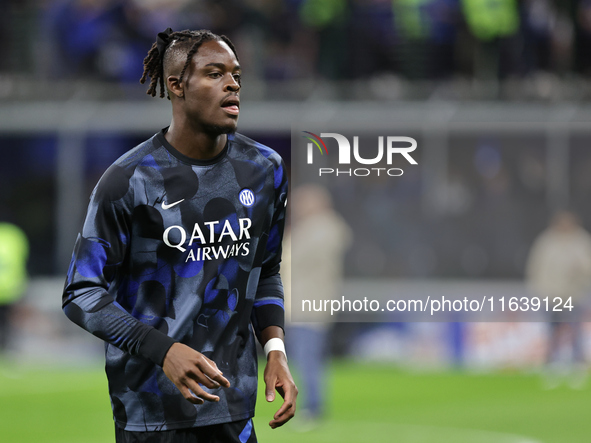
232,85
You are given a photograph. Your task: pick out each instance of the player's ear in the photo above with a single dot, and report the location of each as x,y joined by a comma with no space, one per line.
174,86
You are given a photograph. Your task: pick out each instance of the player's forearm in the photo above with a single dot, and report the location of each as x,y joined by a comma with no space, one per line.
271,332
94,310
268,309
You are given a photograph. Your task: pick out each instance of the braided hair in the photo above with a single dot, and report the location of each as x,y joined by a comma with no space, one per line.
166,46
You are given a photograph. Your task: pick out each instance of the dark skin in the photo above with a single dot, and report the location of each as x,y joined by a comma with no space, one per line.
198,118
278,378
204,109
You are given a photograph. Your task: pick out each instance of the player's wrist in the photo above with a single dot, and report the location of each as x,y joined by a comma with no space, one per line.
274,348
276,354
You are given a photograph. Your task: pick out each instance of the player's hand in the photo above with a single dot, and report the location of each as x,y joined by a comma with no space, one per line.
187,368
278,377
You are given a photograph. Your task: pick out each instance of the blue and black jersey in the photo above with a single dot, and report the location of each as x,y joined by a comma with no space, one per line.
175,249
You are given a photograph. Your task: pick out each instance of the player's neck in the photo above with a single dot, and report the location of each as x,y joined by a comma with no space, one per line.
195,143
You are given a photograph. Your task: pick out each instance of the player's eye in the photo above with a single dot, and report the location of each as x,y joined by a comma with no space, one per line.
215,74
237,77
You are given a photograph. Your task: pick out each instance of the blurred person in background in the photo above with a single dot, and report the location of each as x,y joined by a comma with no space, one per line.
539,21
14,251
315,246
559,266
177,264
427,29
495,25
329,19
582,33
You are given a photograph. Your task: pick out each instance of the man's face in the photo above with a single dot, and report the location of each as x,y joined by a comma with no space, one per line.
211,88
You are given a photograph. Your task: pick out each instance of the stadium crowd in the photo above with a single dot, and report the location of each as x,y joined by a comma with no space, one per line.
299,39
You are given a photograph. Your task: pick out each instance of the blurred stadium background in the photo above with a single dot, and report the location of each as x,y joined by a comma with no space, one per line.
496,92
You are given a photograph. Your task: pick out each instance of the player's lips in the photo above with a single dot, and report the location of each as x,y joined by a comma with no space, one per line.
231,105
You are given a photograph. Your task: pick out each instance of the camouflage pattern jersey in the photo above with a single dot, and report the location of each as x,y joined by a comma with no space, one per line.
175,249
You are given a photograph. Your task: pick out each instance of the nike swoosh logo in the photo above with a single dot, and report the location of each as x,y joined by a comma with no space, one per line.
165,206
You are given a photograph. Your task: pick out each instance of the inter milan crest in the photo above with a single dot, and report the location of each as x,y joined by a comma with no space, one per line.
246,197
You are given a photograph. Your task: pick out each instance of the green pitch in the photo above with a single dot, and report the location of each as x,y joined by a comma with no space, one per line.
367,403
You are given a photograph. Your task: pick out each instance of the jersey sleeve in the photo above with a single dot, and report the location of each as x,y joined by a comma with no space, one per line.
98,257
268,307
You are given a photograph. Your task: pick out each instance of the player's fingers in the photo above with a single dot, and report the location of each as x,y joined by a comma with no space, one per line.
277,423
285,413
212,372
199,392
288,406
189,396
285,408
200,377
213,363
270,388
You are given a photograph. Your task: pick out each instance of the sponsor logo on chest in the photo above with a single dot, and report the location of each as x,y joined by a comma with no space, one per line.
210,241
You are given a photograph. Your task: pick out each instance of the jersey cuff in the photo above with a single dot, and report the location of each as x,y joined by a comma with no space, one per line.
155,345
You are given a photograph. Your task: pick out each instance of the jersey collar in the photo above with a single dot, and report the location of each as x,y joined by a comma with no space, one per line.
182,157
